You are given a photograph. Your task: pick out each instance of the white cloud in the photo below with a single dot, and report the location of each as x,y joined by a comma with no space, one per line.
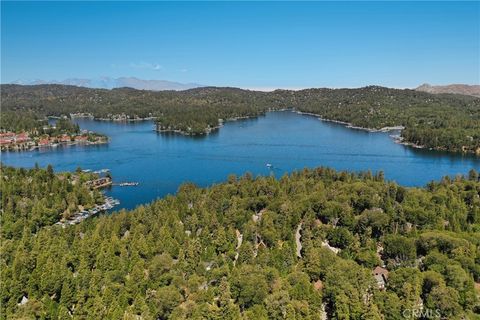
146,65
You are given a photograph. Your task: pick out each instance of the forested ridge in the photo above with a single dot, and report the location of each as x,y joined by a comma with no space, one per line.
441,122
229,251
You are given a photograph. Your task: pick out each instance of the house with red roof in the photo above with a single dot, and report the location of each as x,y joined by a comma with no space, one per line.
64,138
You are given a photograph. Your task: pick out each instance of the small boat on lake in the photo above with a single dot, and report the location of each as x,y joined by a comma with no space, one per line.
102,171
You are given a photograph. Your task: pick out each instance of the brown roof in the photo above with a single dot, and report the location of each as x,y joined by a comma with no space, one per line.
318,285
380,271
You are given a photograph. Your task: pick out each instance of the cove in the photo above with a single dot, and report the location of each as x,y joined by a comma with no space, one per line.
287,140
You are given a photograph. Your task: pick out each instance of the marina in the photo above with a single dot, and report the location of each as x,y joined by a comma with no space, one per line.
78,217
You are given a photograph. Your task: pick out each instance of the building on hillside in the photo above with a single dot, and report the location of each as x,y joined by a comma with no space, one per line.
44,142
64,138
22,137
81,138
381,276
7,138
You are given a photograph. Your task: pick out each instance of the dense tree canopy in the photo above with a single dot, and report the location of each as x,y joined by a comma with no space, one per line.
36,125
229,251
442,122
35,198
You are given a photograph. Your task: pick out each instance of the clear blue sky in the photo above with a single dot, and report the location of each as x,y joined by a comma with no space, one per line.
245,44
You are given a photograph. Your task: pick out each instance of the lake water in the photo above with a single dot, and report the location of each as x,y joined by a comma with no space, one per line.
287,140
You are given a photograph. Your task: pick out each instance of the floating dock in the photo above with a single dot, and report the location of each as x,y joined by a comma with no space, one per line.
126,184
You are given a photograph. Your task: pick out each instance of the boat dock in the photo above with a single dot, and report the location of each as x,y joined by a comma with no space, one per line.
126,184
82,215
101,171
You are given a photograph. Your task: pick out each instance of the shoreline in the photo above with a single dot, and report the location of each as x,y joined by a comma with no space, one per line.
108,204
124,120
207,130
351,126
188,134
120,117
397,139
56,145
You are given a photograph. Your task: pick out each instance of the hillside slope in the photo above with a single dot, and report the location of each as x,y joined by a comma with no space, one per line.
470,90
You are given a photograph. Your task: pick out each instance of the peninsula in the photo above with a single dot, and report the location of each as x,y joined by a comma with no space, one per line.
20,132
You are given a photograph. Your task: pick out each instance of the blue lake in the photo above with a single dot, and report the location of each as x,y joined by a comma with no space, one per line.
289,141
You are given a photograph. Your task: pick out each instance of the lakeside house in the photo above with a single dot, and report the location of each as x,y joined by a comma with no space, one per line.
81,138
7,138
64,138
16,141
11,141
99,183
44,142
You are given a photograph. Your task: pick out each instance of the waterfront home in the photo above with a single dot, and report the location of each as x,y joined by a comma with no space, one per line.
44,142
81,138
99,183
22,137
13,138
64,138
7,138
15,141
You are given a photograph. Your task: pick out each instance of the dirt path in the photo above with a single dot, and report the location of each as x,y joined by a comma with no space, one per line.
298,236
239,244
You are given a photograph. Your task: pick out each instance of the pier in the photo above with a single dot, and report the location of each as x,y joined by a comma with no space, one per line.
126,184
78,217
101,171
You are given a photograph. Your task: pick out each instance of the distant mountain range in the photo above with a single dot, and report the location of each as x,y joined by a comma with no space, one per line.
469,90
110,83
162,85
